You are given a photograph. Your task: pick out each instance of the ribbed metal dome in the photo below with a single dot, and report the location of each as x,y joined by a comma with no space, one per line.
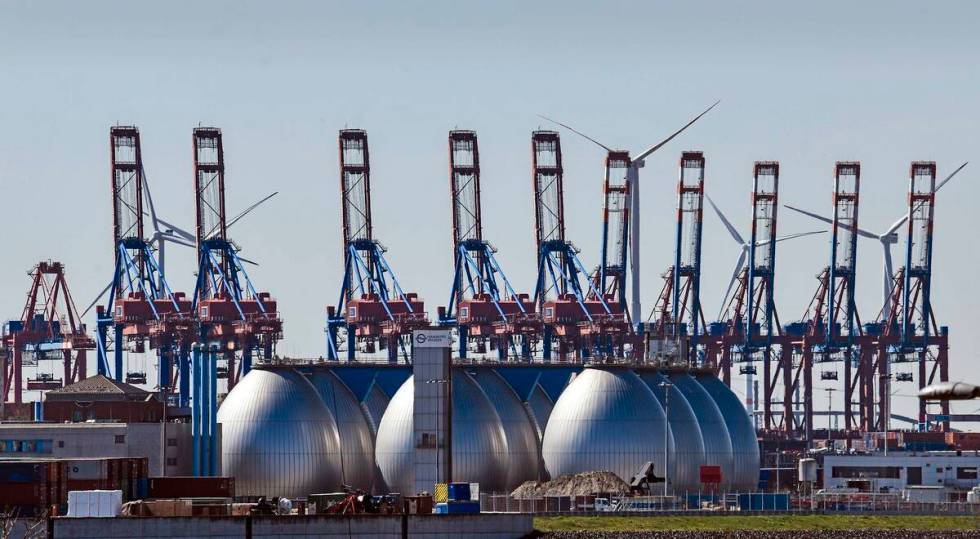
607,419
714,432
277,436
524,454
356,438
478,439
374,405
745,445
539,406
685,463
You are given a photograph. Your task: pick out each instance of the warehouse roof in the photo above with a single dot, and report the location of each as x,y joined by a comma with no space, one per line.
98,387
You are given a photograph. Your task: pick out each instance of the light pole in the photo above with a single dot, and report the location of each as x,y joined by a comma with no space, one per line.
830,400
886,404
666,385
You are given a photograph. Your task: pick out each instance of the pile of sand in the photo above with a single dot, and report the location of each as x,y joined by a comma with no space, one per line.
574,485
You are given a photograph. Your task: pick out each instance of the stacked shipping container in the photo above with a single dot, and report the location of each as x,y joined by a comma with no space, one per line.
33,486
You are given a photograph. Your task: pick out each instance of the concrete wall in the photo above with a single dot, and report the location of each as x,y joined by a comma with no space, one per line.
484,526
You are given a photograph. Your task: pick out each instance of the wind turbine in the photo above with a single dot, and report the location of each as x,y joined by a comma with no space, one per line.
632,177
176,235
887,239
745,250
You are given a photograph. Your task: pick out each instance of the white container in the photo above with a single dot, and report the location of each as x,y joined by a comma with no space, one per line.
808,471
94,503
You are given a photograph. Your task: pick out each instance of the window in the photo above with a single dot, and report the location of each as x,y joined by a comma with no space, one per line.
428,440
171,461
120,438
464,312
61,443
966,473
859,472
913,475
171,442
26,446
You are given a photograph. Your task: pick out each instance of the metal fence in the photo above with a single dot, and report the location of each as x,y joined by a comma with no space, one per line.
739,502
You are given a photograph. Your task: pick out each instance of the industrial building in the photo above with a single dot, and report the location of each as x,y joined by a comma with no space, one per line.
953,471
166,446
100,417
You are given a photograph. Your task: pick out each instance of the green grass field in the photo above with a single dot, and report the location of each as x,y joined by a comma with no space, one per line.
760,523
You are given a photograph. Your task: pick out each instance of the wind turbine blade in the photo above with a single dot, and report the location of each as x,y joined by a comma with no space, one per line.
731,283
175,239
149,199
579,133
798,235
810,214
860,232
904,218
731,228
657,146
179,231
96,300
896,225
247,210
950,177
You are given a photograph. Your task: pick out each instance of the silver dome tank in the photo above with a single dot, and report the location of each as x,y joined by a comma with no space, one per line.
524,454
478,438
686,461
539,406
745,444
356,439
714,432
607,419
277,436
374,405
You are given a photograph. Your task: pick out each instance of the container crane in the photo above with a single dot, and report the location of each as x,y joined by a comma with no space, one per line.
482,309
49,329
373,310
922,339
677,316
231,312
575,314
830,331
141,308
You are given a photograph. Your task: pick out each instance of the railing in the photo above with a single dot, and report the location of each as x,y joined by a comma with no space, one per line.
735,503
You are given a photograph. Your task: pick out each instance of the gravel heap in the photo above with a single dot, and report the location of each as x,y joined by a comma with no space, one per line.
574,485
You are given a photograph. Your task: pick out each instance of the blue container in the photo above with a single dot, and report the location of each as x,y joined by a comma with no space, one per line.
796,329
459,492
21,472
764,501
458,508
717,329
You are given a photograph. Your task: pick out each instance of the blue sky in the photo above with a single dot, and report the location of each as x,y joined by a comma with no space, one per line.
880,82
